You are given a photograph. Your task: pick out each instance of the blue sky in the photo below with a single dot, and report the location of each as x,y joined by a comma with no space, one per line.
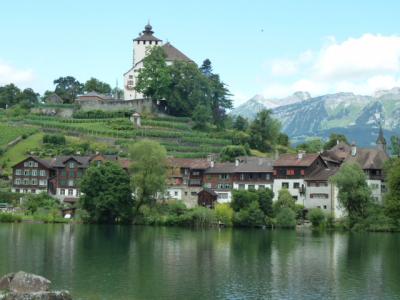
258,47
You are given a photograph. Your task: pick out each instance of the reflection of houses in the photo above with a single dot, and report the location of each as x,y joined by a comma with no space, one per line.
185,179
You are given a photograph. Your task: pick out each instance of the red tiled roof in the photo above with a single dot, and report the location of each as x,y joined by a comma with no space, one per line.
292,160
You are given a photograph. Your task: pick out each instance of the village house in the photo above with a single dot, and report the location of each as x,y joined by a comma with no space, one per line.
31,176
185,179
290,171
59,176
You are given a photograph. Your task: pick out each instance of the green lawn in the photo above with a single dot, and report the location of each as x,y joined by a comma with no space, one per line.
18,152
9,133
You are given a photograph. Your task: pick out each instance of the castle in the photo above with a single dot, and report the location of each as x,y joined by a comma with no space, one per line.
141,46
134,100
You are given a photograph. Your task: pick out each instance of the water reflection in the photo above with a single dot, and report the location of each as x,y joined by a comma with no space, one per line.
122,262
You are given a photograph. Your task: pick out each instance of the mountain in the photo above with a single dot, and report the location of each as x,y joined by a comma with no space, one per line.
250,108
356,116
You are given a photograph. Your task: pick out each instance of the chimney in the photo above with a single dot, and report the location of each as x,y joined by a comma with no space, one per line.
212,163
353,149
337,142
300,155
237,162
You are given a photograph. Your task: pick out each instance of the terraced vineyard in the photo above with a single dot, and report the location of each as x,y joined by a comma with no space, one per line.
174,133
9,133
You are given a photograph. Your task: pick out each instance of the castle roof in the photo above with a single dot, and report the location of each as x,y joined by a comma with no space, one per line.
173,54
147,35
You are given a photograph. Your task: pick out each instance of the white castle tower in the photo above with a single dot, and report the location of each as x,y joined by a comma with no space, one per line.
141,45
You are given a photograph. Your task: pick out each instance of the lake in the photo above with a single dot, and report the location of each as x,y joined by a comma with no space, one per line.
134,262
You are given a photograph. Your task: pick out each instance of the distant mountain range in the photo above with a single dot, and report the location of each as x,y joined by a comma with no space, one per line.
356,116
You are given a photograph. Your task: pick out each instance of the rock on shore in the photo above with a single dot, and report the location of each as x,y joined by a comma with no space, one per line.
26,286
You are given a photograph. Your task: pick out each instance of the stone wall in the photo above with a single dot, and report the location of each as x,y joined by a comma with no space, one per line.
50,111
138,105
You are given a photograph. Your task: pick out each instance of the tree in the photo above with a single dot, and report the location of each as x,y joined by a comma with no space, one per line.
265,201
354,194
286,218
201,116
285,199
95,85
154,78
68,88
206,68
229,153
316,217
250,216
311,146
283,139
241,124
333,139
9,95
395,145
149,171
264,131
392,198
107,196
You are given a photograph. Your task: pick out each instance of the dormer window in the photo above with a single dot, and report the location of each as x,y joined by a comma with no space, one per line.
71,165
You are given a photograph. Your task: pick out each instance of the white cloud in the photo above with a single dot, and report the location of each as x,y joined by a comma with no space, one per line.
10,74
360,65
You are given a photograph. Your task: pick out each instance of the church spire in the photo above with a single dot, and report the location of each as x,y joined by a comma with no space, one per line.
381,141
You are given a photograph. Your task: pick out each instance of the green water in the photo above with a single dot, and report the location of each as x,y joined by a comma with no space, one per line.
121,262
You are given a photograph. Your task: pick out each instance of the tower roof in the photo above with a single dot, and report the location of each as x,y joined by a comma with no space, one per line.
147,34
381,139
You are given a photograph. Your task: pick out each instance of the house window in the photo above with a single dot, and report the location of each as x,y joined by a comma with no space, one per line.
26,181
63,182
275,173
175,193
71,173
18,172
196,173
207,185
26,172
302,172
224,176
193,193
185,193
296,185
290,172
251,187
62,192
223,196
71,165
42,173
319,196
242,186
63,172
324,206
34,172
31,164
261,187
285,185
268,176
17,181
34,181
70,192
25,191
42,182
26,164
186,171
130,76
35,165
70,183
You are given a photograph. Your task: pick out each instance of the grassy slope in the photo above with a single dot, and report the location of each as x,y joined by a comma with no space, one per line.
18,152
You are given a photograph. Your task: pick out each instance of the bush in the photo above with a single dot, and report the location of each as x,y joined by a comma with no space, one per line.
9,218
202,217
42,201
316,216
286,218
54,139
224,213
250,216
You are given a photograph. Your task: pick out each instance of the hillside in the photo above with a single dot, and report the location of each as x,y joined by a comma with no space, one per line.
109,134
356,116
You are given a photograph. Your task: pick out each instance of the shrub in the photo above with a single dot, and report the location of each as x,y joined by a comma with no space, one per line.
54,139
224,213
202,217
316,216
42,201
9,218
286,218
250,216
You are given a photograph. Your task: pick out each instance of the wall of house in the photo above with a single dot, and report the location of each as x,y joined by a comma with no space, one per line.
30,176
376,189
295,192
319,195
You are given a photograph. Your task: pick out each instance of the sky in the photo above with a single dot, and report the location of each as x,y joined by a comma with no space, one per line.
272,48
